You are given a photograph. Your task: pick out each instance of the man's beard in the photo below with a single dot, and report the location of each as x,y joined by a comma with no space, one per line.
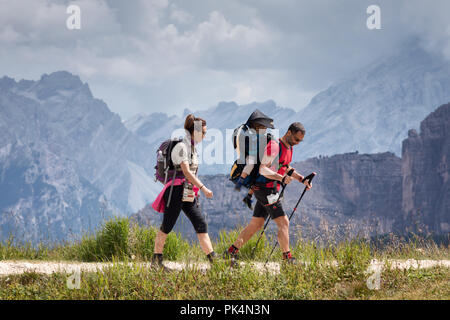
290,142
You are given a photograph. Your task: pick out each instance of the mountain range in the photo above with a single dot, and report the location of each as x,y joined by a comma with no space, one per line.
67,162
353,194
370,111
64,155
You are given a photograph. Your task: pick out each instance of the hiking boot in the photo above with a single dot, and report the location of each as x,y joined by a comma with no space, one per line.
228,255
288,258
248,201
231,253
233,257
212,257
234,263
290,261
156,263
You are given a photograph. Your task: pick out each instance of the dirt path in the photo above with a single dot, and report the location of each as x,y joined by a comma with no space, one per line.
48,267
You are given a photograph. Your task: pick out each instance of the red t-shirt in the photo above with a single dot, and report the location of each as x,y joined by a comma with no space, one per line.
279,165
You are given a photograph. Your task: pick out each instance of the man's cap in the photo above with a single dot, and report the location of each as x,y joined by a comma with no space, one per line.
260,118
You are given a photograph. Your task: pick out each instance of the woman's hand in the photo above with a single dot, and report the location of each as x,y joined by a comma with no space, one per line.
208,193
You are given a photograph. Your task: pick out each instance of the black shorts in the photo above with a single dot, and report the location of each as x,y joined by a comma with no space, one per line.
172,211
262,209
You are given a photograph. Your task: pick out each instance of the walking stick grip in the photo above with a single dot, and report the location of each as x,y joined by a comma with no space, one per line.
309,177
289,173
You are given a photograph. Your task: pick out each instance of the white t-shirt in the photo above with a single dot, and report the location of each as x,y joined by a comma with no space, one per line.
184,151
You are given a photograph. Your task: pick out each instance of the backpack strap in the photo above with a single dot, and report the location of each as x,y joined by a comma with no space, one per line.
275,182
177,168
171,189
277,158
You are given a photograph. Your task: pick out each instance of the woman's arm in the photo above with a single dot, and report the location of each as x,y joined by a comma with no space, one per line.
189,175
194,180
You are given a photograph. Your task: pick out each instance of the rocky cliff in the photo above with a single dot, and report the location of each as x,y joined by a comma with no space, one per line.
426,174
43,198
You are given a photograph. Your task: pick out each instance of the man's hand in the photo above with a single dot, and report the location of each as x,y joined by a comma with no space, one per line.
307,184
307,180
300,178
287,179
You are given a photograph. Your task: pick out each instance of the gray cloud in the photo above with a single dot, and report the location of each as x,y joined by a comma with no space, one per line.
153,55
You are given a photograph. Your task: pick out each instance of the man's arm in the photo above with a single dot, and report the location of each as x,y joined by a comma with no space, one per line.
265,170
300,178
296,175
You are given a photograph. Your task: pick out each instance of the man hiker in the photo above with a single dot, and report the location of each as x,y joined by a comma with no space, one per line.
273,172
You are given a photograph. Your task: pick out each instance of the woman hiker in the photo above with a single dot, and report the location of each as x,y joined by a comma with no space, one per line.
185,192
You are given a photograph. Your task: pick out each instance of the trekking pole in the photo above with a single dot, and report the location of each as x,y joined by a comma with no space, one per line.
290,172
309,178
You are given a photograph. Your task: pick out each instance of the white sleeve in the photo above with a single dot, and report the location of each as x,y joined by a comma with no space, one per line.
250,164
180,154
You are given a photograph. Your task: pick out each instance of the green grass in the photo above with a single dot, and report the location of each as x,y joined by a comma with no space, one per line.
318,282
118,240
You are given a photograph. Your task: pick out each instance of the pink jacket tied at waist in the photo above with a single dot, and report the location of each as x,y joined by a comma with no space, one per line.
159,204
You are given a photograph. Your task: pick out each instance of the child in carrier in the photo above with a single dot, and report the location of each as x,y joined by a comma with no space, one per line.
258,123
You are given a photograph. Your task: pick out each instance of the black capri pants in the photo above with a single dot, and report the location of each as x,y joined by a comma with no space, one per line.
172,212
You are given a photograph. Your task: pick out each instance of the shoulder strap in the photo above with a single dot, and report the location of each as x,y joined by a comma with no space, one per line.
280,146
277,158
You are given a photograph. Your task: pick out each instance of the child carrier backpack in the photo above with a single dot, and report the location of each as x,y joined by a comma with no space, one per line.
241,142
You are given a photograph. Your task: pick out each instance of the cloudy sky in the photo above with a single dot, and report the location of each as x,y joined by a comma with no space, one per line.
143,56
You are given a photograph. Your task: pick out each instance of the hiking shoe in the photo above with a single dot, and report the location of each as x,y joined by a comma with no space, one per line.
288,258
233,263
156,263
248,201
212,257
290,261
228,255
233,259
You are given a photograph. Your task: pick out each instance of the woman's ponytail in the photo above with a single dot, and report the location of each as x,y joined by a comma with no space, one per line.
189,123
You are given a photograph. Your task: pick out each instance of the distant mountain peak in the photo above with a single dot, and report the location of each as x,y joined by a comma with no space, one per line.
57,82
61,79
7,82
